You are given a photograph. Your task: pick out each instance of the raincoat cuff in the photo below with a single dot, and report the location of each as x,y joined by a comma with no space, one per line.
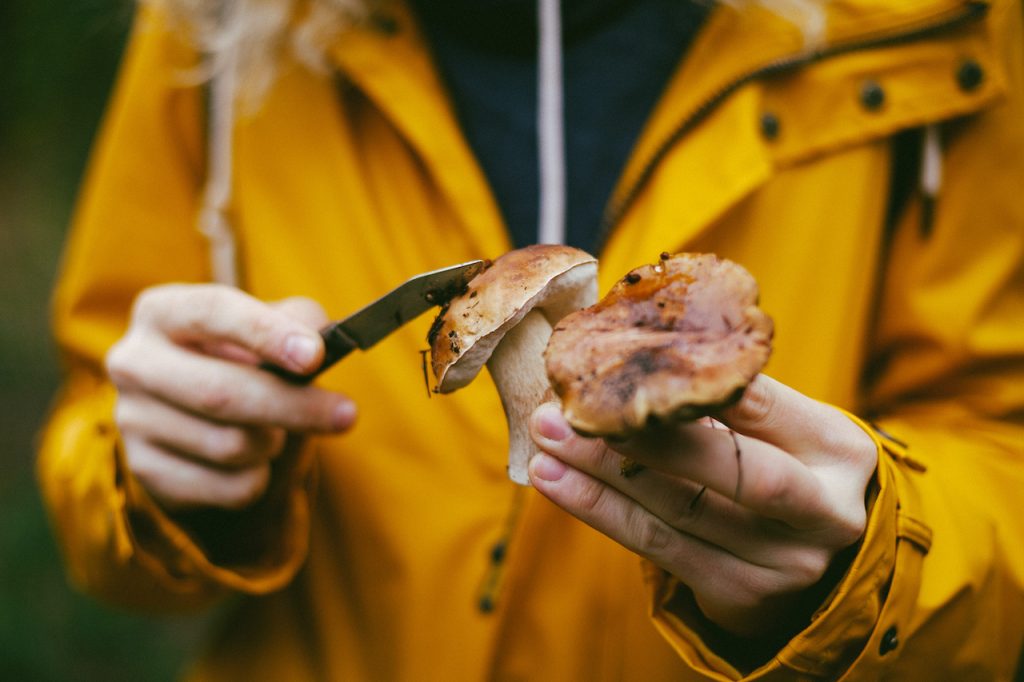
257,550
855,626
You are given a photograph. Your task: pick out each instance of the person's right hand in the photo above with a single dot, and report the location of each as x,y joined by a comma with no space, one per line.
200,422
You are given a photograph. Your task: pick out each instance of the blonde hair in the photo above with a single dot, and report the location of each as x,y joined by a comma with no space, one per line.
242,43
252,36
806,15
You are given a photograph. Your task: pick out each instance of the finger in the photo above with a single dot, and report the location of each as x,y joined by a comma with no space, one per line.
731,591
201,313
683,504
304,310
224,391
697,563
752,473
178,483
214,444
719,521
678,501
775,413
225,350
749,471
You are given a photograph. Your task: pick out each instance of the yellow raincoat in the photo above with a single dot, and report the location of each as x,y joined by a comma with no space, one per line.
370,555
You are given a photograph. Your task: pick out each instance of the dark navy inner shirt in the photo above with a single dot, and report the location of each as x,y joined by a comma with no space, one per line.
617,58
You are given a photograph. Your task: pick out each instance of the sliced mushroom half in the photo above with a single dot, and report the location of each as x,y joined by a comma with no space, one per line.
504,320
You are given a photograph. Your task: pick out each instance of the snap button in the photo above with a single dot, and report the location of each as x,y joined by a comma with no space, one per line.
969,75
769,125
872,96
889,641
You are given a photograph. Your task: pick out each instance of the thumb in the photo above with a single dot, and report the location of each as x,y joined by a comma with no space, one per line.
778,414
304,310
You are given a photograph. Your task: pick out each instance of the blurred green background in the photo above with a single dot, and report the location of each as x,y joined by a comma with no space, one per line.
57,61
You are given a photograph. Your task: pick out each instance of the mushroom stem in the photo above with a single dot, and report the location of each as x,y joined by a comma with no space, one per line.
517,368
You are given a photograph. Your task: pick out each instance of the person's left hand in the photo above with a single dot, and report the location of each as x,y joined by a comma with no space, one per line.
750,519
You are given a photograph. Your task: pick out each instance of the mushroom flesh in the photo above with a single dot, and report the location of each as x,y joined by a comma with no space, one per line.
504,320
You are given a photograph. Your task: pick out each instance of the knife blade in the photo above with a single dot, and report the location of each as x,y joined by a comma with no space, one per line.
365,327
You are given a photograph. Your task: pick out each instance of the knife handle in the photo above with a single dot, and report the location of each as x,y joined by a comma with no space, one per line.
337,344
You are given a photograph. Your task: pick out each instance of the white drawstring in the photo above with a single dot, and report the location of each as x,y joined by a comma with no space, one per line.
807,15
931,162
213,219
550,124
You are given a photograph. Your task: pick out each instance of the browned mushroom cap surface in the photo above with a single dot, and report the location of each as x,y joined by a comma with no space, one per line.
674,340
554,279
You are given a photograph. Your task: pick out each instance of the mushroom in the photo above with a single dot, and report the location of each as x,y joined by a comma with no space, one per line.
672,341
504,319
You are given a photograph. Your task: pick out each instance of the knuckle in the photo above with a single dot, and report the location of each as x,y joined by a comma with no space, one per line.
652,534
124,364
246,487
126,416
239,446
841,436
744,597
303,309
120,366
758,406
149,302
143,463
189,306
153,304
770,486
606,460
228,445
754,588
750,596
807,567
264,328
197,306
743,592
796,571
591,495
214,399
200,305
133,458
850,527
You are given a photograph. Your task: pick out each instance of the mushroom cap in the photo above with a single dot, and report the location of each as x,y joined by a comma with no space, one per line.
671,341
554,279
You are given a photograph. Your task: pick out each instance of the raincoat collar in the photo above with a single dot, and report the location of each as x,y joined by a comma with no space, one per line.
389,61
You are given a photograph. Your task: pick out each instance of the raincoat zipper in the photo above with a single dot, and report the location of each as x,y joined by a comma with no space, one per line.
946,21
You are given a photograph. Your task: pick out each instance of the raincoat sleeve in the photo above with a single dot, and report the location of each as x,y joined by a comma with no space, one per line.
134,228
936,589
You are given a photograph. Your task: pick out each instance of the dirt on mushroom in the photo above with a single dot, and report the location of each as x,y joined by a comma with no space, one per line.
673,340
